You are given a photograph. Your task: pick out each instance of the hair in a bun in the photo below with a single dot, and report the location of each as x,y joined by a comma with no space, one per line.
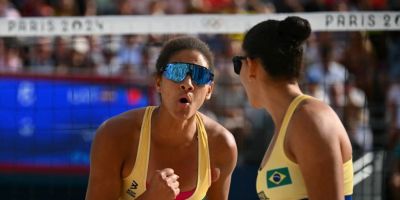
295,29
279,45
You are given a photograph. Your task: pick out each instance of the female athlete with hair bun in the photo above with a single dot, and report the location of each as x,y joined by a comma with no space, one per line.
310,155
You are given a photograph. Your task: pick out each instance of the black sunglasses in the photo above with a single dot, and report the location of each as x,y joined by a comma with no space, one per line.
237,63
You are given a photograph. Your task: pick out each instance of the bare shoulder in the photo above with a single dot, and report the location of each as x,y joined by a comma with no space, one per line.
113,142
317,119
122,124
317,125
222,144
118,131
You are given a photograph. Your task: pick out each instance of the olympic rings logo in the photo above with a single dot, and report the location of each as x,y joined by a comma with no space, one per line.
212,22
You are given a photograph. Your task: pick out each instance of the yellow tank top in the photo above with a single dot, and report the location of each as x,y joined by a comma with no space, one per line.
135,184
281,178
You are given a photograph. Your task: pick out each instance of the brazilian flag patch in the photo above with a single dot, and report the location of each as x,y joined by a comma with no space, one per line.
278,177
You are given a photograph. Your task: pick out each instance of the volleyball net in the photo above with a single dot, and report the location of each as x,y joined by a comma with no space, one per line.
192,24
61,77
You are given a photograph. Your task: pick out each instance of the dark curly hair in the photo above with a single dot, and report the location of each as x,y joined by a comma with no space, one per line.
279,45
183,43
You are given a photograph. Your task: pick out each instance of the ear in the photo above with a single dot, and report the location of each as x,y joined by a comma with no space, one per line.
158,83
210,90
252,68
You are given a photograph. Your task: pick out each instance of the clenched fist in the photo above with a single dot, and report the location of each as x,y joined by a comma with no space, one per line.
164,184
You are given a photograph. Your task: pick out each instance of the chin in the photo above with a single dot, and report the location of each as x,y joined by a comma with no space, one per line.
184,114
255,104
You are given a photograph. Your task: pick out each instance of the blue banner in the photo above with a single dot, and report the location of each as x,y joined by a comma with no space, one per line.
52,122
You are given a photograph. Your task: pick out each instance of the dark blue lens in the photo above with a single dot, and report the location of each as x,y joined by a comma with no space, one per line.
177,72
201,75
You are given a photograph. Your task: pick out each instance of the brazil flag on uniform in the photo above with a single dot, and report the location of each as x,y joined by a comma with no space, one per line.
278,177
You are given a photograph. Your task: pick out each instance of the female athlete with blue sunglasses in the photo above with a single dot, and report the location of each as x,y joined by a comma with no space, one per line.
170,151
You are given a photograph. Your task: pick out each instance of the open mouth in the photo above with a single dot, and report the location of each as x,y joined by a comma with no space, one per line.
184,100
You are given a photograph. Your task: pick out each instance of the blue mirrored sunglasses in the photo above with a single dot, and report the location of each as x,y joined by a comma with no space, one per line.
178,71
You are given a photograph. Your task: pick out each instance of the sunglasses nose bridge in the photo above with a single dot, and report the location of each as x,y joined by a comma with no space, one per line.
187,83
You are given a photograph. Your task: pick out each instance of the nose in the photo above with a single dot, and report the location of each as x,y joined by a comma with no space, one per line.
187,84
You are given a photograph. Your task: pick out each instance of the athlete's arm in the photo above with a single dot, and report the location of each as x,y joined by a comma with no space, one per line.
105,166
316,147
223,155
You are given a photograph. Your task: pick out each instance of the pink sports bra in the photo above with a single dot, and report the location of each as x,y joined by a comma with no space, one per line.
182,195
185,195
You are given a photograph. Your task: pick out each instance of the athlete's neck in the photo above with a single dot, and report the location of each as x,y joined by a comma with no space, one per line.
278,99
169,131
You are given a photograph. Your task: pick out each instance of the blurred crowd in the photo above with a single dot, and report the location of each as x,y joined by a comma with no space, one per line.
357,73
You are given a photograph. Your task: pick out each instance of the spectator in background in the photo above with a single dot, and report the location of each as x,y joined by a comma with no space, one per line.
393,144
393,4
288,6
131,55
96,46
3,65
151,51
90,7
8,11
311,51
228,102
106,7
315,6
177,6
370,5
66,8
394,179
359,59
10,60
393,112
332,75
260,134
80,61
125,7
228,105
36,8
210,6
75,7
315,89
111,65
157,7
41,56
394,53
61,54
356,117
